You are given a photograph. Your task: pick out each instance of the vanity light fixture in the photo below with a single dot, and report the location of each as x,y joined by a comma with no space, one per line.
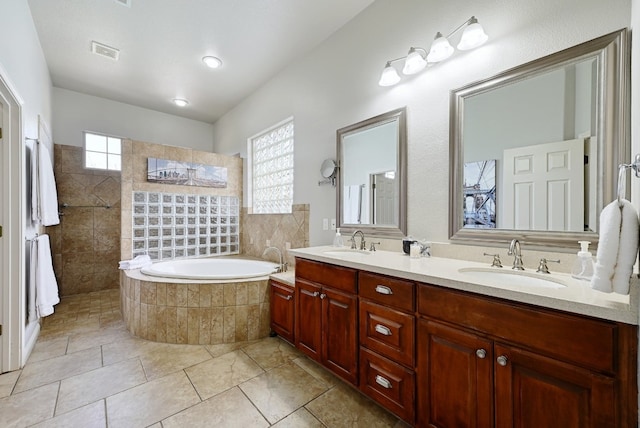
418,58
180,102
212,61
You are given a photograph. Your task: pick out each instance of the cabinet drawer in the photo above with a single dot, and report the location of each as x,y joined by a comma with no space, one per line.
584,341
388,383
333,276
388,291
389,332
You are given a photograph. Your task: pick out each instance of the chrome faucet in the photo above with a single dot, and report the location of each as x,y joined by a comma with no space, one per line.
363,244
282,267
514,250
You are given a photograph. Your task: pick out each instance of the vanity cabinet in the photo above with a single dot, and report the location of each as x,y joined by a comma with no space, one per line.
484,362
282,304
326,322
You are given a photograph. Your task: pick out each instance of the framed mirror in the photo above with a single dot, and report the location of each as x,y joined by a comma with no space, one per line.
535,150
372,175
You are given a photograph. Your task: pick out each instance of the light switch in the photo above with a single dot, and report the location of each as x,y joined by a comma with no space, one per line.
325,224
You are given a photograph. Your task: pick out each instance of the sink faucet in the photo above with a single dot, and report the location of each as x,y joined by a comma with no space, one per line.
514,250
363,244
282,267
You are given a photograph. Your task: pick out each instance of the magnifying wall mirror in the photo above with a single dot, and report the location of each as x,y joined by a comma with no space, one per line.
371,187
534,150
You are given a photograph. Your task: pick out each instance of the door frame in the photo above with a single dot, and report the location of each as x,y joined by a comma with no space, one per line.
12,277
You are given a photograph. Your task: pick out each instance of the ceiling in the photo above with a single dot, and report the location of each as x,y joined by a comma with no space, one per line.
162,43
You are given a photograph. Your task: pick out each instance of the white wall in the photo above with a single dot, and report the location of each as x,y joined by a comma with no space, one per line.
336,85
74,113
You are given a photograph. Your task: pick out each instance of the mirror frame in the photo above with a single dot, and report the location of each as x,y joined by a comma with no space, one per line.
401,167
613,131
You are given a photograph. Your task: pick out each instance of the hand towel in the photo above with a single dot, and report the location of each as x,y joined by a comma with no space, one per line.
627,250
44,197
46,284
137,263
608,244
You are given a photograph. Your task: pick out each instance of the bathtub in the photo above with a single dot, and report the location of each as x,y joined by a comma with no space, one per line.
211,268
198,301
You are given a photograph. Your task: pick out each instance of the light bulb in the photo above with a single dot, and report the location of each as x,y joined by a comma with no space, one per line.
389,76
440,50
212,61
472,36
180,102
414,62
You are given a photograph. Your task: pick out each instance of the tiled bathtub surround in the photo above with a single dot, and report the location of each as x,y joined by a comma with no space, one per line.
167,225
195,313
86,244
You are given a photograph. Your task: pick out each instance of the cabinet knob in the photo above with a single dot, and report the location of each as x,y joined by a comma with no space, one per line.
316,294
383,329
481,353
289,297
502,360
383,382
322,296
383,289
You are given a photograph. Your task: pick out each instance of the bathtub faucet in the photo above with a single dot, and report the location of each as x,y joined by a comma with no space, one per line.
282,267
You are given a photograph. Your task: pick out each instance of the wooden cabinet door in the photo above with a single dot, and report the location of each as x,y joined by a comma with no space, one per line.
282,310
340,340
535,391
454,369
308,324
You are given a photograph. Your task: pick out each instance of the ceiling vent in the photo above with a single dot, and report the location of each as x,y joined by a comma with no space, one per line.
124,2
104,50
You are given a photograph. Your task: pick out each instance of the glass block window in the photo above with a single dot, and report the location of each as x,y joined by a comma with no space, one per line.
171,226
271,157
102,152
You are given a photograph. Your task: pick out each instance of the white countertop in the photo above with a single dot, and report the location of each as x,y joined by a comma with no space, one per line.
575,296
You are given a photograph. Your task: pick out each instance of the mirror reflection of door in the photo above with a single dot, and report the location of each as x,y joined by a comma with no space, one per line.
384,198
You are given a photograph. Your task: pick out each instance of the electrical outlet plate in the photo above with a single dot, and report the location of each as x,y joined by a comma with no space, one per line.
325,224
333,224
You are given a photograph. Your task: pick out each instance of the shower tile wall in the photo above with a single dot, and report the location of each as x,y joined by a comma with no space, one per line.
86,243
134,181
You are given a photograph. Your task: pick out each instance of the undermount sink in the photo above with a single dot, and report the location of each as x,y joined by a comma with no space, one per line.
346,252
514,278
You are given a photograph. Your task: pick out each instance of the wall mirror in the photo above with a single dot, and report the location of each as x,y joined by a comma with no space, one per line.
372,176
535,150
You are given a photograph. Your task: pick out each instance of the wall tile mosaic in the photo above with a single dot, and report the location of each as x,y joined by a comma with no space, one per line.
170,226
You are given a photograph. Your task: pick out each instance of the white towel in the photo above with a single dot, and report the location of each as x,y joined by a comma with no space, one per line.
46,286
617,248
44,197
352,204
137,263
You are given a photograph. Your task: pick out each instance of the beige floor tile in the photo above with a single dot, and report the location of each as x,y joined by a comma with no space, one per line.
86,388
151,402
301,418
104,336
317,371
219,374
224,348
280,391
53,369
7,382
167,358
344,407
229,409
69,328
126,349
46,349
272,352
30,407
90,416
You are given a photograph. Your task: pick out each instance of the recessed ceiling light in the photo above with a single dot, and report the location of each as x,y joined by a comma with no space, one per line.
180,102
212,61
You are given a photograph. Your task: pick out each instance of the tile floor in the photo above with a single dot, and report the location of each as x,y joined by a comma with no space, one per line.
87,371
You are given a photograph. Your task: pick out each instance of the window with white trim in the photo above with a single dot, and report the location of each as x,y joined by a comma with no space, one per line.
102,152
271,169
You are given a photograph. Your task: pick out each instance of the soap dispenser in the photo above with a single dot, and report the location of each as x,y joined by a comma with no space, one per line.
337,240
583,266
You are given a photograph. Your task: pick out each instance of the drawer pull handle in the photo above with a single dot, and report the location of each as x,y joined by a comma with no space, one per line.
481,353
322,296
502,360
316,293
383,382
383,289
289,297
383,329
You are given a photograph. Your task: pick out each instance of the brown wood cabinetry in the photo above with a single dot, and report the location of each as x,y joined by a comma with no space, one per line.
483,362
326,308
282,310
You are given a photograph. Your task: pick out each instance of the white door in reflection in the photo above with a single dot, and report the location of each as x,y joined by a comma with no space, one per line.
544,187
